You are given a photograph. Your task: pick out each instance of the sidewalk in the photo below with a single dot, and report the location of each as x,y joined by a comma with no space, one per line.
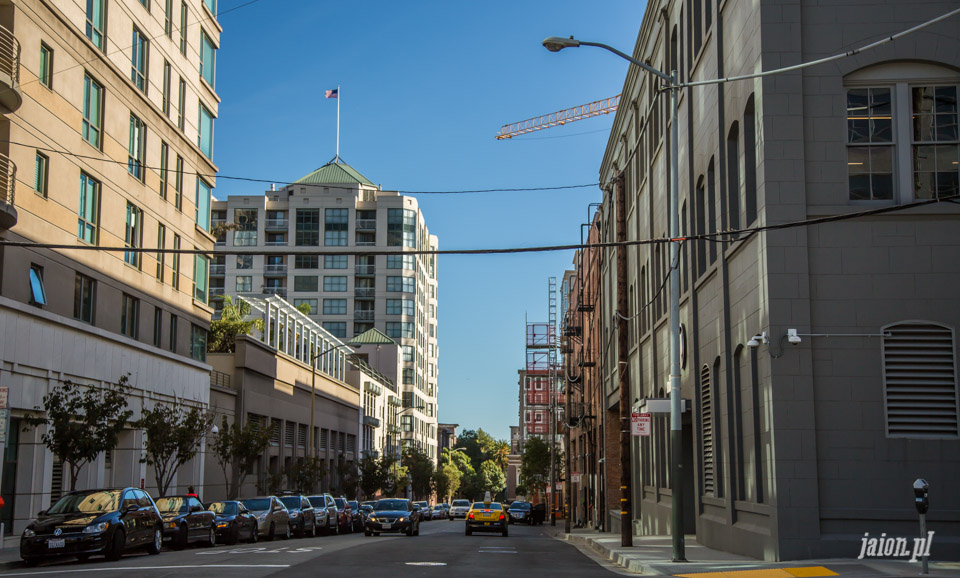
652,554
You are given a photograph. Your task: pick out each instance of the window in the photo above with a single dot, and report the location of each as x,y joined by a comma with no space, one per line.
130,316
134,235
407,376
89,213
165,99
38,295
198,343
211,6
157,326
733,177
84,298
247,223
305,283
336,328
870,143
244,283
397,329
137,151
204,191
335,227
92,110
401,262
334,284
161,256
96,15
401,307
178,184
306,262
308,228
312,303
175,278
173,333
183,30
205,131
201,265
138,59
334,306
404,284
168,18
45,76
208,58
749,163
181,103
408,353
401,228
920,380
936,142
244,261
41,173
334,261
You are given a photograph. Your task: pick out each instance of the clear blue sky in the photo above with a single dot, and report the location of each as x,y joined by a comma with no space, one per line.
424,88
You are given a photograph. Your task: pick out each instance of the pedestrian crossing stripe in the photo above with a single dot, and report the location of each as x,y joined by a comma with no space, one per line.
803,572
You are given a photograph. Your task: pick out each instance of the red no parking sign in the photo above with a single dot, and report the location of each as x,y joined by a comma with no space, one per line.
640,424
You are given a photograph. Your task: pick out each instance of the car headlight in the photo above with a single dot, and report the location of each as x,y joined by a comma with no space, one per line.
96,528
372,518
171,524
28,533
401,519
294,514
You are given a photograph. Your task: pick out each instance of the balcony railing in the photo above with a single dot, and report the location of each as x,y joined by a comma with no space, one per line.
274,224
8,180
216,292
394,429
366,225
367,292
371,421
366,269
216,270
366,243
220,379
363,315
10,98
280,243
278,291
274,269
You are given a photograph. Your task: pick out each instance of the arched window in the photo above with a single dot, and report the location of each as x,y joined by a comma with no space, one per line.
684,269
712,208
750,162
701,227
732,204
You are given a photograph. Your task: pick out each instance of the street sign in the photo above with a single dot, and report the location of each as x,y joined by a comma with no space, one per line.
4,414
4,393
640,424
574,478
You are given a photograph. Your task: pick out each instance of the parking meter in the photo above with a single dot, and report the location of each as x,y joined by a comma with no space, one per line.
920,490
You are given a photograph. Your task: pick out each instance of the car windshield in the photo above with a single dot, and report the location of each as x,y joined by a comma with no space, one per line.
168,505
291,502
341,503
482,506
223,508
520,506
386,505
87,503
461,503
422,504
257,504
353,504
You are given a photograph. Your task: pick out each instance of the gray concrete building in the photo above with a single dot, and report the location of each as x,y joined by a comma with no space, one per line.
820,360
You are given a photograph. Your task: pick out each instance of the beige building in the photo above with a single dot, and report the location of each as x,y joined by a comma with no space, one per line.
108,116
335,241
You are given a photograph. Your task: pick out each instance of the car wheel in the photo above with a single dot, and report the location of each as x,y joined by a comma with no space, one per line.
272,535
255,534
505,532
376,533
286,535
31,561
313,530
233,537
410,530
469,532
417,531
212,537
117,545
367,533
157,544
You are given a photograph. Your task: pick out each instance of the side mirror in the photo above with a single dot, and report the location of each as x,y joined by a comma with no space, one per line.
131,508
196,508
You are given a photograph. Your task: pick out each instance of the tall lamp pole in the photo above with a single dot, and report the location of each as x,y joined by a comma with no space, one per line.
555,44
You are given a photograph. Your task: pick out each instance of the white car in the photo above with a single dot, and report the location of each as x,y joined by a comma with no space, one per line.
459,509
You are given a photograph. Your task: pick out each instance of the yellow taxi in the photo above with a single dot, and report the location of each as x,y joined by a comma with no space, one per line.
487,516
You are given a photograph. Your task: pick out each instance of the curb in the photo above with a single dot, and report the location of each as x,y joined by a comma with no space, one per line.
628,563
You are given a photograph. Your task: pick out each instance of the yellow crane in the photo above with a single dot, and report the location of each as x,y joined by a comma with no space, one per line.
560,117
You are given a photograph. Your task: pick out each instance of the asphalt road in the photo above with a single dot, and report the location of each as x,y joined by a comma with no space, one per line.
441,550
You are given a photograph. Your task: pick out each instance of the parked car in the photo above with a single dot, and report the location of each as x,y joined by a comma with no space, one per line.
365,509
234,522
459,509
344,515
520,513
426,514
303,520
438,512
272,517
538,514
357,514
325,511
89,522
393,515
185,521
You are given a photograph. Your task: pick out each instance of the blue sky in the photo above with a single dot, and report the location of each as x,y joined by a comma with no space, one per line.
424,88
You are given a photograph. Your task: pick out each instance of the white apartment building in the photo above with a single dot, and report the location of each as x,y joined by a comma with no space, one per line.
336,242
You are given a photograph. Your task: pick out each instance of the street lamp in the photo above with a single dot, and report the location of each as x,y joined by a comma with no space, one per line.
555,44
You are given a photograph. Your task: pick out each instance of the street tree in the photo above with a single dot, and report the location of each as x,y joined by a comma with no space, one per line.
421,469
232,322
372,478
174,436
306,473
535,465
493,479
238,448
446,482
82,421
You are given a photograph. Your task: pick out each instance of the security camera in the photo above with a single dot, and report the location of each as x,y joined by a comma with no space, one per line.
792,337
757,339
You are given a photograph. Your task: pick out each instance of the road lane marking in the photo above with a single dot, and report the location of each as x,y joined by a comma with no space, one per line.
115,569
426,563
281,550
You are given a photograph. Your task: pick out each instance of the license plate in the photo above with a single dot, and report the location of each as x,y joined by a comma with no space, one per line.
387,526
56,543
486,523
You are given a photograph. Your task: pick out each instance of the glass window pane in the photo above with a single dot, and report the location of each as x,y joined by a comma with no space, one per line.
946,99
946,129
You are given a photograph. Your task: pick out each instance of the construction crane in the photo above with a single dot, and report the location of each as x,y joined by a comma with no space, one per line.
560,117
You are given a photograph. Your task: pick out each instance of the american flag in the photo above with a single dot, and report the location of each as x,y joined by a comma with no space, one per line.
332,93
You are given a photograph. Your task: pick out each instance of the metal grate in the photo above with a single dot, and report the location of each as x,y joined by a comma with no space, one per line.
56,481
288,434
275,426
706,432
920,380
301,435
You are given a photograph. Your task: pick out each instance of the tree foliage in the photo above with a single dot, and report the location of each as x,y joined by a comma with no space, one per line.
305,474
535,465
174,436
238,448
375,474
233,322
492,478
420,467
446,481
82,422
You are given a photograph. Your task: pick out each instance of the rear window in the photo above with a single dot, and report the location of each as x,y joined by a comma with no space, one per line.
461,503
225,508
341,503
292,502
482,506
520,506
257,504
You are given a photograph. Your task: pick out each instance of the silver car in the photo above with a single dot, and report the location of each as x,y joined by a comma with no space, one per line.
459,509
273,519
326,511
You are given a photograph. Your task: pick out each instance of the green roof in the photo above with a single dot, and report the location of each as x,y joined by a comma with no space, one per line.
371,337
334,173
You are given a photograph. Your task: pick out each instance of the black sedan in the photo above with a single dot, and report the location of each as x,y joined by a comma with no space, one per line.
303,518
358,516
88,522
393,515
520,513
185,520
234,522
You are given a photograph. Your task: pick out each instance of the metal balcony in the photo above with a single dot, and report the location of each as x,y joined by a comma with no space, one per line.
371,421
394,429
218,270
10,97
366,269
273,270
366,225
8,182
282,243
365,292
363,315
278,291
276,224
216,292
366,243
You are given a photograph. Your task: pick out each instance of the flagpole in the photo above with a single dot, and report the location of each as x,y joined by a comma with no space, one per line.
338,125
